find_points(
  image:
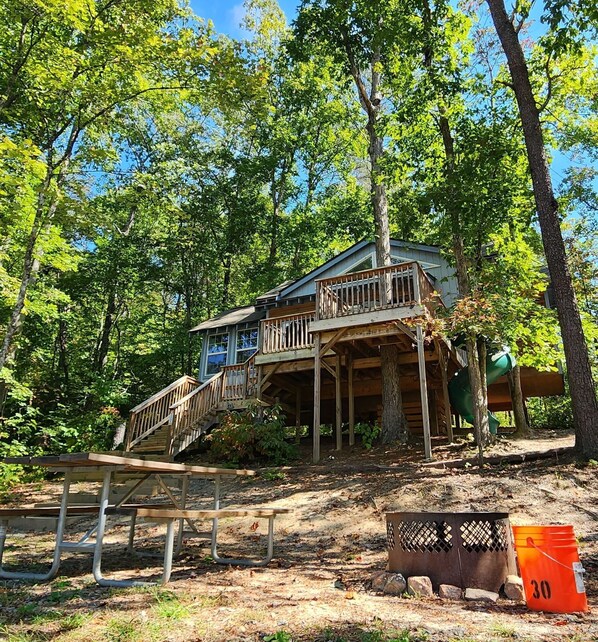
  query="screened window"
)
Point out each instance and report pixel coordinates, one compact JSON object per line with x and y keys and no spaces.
{"x":246,"y":344}
{"x":217,"y":351}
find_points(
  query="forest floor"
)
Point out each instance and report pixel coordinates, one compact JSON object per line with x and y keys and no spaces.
{"x":318,"y":586}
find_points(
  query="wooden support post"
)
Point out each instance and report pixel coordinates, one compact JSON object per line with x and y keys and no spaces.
{"x":423,"y":390}
{"x":351,"y":401}
{"x":317,"y":388}
{"x":339,"y":405}
{"x":434,"y":424}
{"x":445,"y":395}
{"x":298,"y":415}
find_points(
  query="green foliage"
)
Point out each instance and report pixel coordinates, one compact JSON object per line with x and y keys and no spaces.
{"x":551,"y":412}
{"x":368,"y":433}
{"x":253,"y":434}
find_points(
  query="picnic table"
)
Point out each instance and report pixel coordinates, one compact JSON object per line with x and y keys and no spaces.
{"x":174,"y":512}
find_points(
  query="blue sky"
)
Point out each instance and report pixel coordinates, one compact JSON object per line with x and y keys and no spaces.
{"x":227,"y":14}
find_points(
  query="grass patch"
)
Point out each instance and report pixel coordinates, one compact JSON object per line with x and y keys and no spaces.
{"x":168,"y":606}
{"x":504,"y":632}
{"x":120,"y":629}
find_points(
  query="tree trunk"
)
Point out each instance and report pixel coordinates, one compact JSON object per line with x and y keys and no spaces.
{"x":518,"y":403}
{"x":63,"y":366}
{"x":480,"y":410}
{"x":101,"y":356}
{"x":579,"y":373}
{"x":31,"y":264}
{"x":394,"y":422}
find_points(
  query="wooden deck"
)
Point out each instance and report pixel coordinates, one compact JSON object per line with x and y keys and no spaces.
{"x":322,"y":364}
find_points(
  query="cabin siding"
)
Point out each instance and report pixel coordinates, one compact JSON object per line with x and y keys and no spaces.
{"x":309,"y":288}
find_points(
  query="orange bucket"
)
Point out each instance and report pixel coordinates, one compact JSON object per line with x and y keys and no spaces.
{"x":550,"y":567}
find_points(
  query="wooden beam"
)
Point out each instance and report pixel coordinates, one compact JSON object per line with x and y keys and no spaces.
{"x":329,"y":368}
{"x":267,"y":376}
{"x":351,"y":401}
{"x":368,"y":318}
{"x":286,"y":355}
{"x":423,"y":389}
{"x":317,"y":387}
{"x":339,"y":406}
{"x":404,"y":359}
{"x":407,"y":330}
{"x":329,"y":345}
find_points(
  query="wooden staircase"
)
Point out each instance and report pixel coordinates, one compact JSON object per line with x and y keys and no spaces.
{"x":173,"y":419}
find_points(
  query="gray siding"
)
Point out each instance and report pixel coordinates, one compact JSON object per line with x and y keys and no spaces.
{"x":431,"y":259}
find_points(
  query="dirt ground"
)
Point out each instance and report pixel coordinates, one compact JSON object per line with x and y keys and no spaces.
{"x":318,"y":585}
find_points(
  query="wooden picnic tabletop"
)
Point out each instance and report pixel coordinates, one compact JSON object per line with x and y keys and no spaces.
{"x":71,"y":460}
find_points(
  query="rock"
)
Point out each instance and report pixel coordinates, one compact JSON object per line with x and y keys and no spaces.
{"x":514,"y":588}
{"x":379,"y":580}
{"x":420,"y":585}
{"x":450,"y":592}
{"x":480,"y":595}
{"x":395,"y":584}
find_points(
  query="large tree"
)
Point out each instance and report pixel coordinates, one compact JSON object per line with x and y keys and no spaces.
{"x":368,"y":42}
{"x":581,"y":385}
{"x":66,"y":73}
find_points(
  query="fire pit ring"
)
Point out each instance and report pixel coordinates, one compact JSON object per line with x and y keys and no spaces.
{"x":469,"y":550}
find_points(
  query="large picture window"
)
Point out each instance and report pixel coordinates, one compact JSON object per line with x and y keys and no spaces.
{"x":246,"y":344}
{"x":217,"y":351}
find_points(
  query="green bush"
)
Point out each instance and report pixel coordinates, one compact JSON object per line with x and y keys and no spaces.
{"x":29,"y":431}
{"x":551,"y":412}
{"x":368,"y":433}
{"x":253,"y":434}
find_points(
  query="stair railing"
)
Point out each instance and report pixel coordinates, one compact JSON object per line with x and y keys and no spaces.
{"x":191,"y":409}
{"x":240,"y":381}
{"x":151,"y":414}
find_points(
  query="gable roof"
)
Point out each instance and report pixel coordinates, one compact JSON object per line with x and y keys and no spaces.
{"x":286,"y":290}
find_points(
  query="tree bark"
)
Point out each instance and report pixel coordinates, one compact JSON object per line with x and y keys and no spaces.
{"x":101,"y":357}
{"x":579,"y":373}
{"x":518,"y":403}
{"x":394,"y":422}
{"x":31,"y":264}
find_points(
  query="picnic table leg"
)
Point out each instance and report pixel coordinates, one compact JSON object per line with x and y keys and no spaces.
{"x":42,"y":577}
{"x":244,"y":562}
{"x":184,"y":491}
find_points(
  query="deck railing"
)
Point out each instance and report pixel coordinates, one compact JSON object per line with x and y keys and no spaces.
{"x":154,"y":412}
{"x":280,"y":334}
{"x":239,"y":381}
{"x":393,"y":286}
{"x":194,"y":407}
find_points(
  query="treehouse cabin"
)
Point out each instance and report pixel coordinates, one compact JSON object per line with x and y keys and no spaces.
{"x":313,"y":346}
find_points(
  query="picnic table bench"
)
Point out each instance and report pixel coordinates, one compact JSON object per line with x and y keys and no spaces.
{"x":171,"y":514}
{"x":176,"y":511}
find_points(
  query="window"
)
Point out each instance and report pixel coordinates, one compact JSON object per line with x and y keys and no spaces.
{"x":217,"y":351}
{"x":246,"y":344}
{"x":364,"y":264}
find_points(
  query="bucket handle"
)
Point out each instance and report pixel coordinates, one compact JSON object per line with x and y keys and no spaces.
{"x":530,"y":542}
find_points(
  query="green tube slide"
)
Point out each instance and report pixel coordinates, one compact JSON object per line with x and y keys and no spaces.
{"x":497,"y":365}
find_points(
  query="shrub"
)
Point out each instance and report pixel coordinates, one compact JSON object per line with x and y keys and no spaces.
{"x":368,"y":433}
{"x":255,"y":433}
{"x":551,"y":412}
